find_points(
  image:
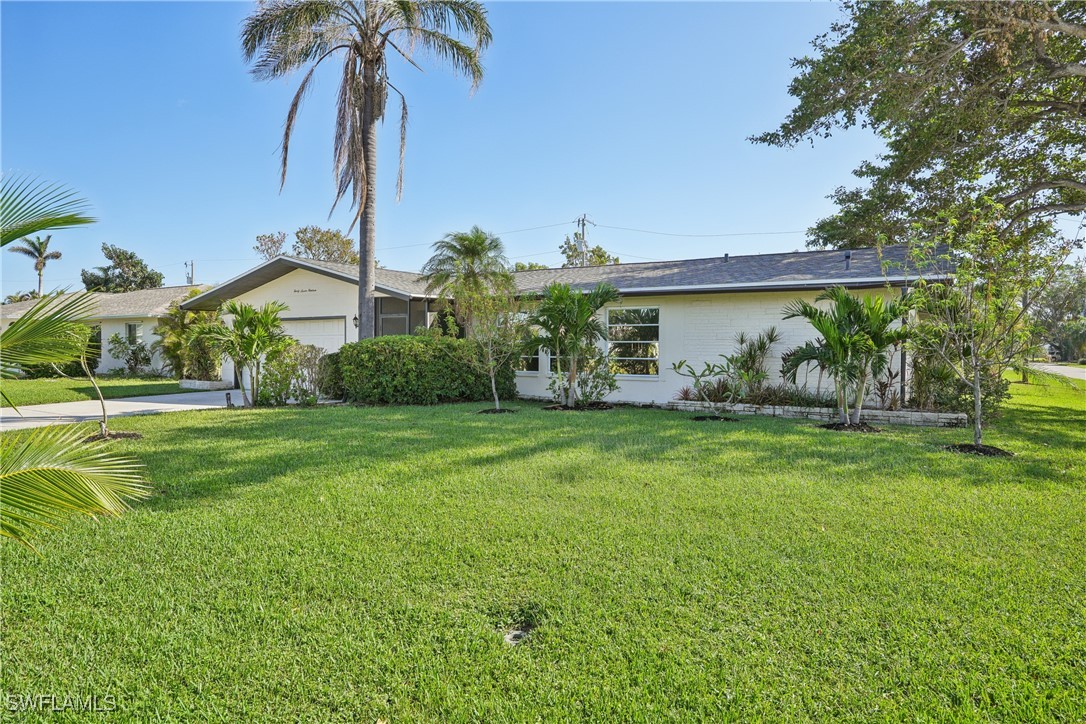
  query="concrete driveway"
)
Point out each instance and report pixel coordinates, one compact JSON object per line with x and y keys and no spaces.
{"x":1075,"y":373}
{"x":61,"y":413}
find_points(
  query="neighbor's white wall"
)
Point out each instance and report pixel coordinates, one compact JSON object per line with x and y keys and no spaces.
{"x":111,"y":327}
{"x":308,"y":294}
{"x":699,"y":328}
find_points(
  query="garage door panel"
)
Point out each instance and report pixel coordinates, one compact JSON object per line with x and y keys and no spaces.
{"x":326,"y":333}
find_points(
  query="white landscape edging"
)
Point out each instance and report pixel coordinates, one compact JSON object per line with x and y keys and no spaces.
{"x":920,"y":418}
{"x":205,"y":385}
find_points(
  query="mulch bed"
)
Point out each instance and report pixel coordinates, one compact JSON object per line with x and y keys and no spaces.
{"x":985,"y":450}
{"x":714,"y":418}
{"x":846,"y":427}
{"x":114,"y":436}
{"x":492,"y":411}
{"x":582,"y":408}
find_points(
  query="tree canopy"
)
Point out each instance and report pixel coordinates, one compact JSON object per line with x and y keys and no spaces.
{"x":973,"y":99}
{"x":310,"y":242}
{"x":591,"y":256}
{"x":125,"y":272}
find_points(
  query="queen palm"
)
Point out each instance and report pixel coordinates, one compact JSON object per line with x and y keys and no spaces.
{"x":282,"y":36}
{"x":38,"y":250}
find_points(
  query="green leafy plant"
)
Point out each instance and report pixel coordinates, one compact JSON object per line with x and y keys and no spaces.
{"x":292,"y":373}
{"x":135,"y":354}
{"x":247,"y":335}
{"x":466,"y":268}
{"x":418,"y":370}
{"x":568,"y":326}
{"x":28,"y":206}
{"x":38,"y":250}
{"x":858,"y":336}
{"x":739,"y":377}
{"x":185,"y":357}
{"x":978,"y":326}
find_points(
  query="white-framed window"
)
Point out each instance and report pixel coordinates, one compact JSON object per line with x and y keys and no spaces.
{"x":529,"y":362}
{"x":133,"y":332}
{"x":633,"y":340}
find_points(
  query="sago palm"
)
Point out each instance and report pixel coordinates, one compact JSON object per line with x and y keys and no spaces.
{"x":283,"y":36}
{"x":38,"y":250}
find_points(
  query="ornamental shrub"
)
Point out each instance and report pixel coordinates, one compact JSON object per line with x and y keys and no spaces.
{"x":417,"y":370}
{"x":330,"y":377}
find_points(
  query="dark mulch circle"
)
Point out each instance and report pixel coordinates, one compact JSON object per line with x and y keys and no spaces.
{"x":714,"y":418}
{"x":114,"y":436}
{"x":582,"y":408}
{"x":846,"y":427}
{"x":492,"y":411}
{"x":986,"y":450}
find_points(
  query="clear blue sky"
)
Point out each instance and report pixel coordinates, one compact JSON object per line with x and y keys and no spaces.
{"x":634,"y":113}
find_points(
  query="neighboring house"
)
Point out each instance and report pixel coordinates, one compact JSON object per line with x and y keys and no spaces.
{"x":133,"y":315}
{"x":688,"y":309}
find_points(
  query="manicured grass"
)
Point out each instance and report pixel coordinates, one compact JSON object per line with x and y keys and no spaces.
{"x":61,"y":389}
{"x":363,"y":563}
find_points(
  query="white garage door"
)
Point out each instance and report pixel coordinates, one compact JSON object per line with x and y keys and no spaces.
{"x":327,"y":333}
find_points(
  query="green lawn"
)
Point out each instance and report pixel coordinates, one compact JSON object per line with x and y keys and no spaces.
{"x":363,"y":563}
{"x":61,"y":389}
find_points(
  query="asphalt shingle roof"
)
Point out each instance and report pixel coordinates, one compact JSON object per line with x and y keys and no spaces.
{"x":142,"y":303}
{"x":765,"y":270}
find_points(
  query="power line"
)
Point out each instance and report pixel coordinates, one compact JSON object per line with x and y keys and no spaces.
{"x":703,"y":236}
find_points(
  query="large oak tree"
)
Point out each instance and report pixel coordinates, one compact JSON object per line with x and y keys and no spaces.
{"x":972,"y":98}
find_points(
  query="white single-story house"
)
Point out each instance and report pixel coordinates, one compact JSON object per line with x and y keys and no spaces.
{"x":688,"y":309}
{"x":133,"y":315}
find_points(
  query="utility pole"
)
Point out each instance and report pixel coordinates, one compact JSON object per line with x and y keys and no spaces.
{"x":190,"y":272}
{"x":582,"y":222}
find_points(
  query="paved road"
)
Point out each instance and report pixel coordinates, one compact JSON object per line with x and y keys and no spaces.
{"x":60,"y":413}
{"x":1075,"y":373}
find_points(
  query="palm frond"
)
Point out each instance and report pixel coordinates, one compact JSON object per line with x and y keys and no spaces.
{"x":49,"y":332}
{"x":50,"y":473}
{"x":28,"y":206}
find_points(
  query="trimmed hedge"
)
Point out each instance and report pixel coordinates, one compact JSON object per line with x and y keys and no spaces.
{"x":417,"y":370}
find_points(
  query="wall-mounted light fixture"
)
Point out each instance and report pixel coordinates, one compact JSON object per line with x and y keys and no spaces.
{"x":355,"y":320}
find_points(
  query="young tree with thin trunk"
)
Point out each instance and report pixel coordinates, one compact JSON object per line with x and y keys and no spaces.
{"x":283,"y":36}
{"x":978,"y":324}
{"x":499,"y":327}
{"x":38,"y":250}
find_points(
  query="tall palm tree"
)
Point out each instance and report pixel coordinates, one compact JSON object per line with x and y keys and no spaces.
{"x":282,"y":36}
{"x":466,"y":264}
{"x":38,"y":250}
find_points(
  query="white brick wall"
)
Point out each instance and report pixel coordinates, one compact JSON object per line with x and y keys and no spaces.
{"x":699,"y":328}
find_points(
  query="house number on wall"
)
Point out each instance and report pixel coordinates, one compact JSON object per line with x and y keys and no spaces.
{"x":304,"y":291}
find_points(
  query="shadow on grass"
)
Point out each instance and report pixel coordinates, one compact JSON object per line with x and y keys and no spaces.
{"x":219,"y":451}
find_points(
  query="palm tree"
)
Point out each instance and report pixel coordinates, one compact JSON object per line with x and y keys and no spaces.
{"x":568,"y":326}
{"x":249,"y":336}
{"x":464,"y":265}
{"x":51,"y":473}
{"x":857,"y":336}
{"x":28,"y":206}
{"x":282,"y":36}
{"x":183,"y":357}
{"x":38,"y":250}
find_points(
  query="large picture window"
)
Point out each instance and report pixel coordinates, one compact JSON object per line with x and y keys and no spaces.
{"x":529,"y":362}
{"x":633,"y":340}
